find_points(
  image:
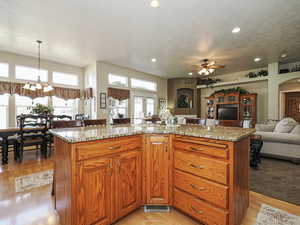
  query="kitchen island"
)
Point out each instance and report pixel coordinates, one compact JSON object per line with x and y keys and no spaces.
{"x":103,"y":173}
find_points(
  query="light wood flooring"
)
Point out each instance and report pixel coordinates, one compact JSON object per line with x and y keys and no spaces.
{"x":35,"y":207}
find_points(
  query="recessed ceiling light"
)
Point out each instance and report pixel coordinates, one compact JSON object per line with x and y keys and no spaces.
{"x":153,"y":60}
{"x":154,"y":3}
{"x":190,"y":73}
{"x":257,"y":59}
{"x":236,"y":30}
{"x":283,"y":55}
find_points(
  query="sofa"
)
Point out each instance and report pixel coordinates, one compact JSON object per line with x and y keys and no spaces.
{"x":281,"y":140}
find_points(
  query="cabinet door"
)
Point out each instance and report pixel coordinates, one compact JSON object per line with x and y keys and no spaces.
{"x":94,"y":192}
{"x":128,"y":182}
{"x":157,"y":169}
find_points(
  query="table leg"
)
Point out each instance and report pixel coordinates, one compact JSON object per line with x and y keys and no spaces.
{"x":4,"y":150}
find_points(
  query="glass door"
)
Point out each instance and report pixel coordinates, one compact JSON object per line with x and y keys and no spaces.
{"x":143,"y":107}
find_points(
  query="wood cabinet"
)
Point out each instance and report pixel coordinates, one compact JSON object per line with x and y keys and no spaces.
{"x":94,"y":191}
{"x":128,"y":182}
{"x":245,"y":106}
{"x":99,"y":182}
{"x":211,"y":179}
{"x":157,"y":169}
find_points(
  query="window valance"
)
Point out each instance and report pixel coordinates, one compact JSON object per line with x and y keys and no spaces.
{"x":17,"y":88}
{"x":119,"y":94}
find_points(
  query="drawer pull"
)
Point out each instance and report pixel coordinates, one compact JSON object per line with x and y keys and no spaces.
{"x":197,"y":166}
{"x":196,"y":149}
{"x":197,"y":188}
{"x":196,"y":210}
{"x":114,"y":147}
{"x":156,"y":143}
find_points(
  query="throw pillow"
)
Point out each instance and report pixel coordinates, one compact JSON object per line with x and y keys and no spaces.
{"x":296,"y":130}
{"x":285,"y":125}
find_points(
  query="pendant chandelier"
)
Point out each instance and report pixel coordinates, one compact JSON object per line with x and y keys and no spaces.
{"x":38,"y":85}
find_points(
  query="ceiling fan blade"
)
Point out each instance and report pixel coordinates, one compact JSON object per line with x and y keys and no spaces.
{"x":211,"y":63}
{"x":217,"y":66}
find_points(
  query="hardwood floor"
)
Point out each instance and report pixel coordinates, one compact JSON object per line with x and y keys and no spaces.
{"x":35,"y":207}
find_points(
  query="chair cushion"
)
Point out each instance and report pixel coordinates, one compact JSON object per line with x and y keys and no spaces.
{"x":296,"y":130}
{"x":285,"y":125}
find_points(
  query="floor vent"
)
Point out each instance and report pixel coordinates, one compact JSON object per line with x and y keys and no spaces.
{"x":156,"y":208}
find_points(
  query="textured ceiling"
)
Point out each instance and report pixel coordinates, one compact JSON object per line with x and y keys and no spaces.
{"x":129,"y":33}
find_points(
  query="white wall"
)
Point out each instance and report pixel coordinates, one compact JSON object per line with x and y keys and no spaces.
{"x":104,"y":68}
{"x":90,"y":81}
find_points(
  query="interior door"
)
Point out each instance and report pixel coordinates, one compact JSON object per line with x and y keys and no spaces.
{"x":292,"y":105}
{"x":157,"y":169}
{"x":94,"y":192}
{"x":128,"y":182}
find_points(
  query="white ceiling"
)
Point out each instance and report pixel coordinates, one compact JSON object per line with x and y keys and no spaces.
{"x":129,"y":32}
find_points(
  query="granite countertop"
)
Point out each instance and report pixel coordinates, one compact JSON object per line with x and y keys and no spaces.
{"x":83,"y":134}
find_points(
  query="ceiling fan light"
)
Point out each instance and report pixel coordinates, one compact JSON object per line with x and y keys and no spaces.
{"x":206,"y":73}
{"x":211,"y":70}
{"x":32,"y":87}
{"x":26,"y":86}
{"x":50,"y":88}
{"x":39,"y":86}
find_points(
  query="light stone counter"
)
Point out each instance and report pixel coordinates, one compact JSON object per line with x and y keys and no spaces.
{"x":83,"y":134}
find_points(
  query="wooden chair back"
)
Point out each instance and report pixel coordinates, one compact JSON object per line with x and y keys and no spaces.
{"x":32,"y":124}
{"x":66,"y":123}
{"x":121,"y":121}
{"x":94,"y":122}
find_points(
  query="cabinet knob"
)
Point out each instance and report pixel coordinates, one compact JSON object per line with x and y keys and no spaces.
{"x":196,"y":149}
{"x":196,"y":210}
{"x":197,"y":166}
{"x":197,"y":188}
{"x":114,"y":147}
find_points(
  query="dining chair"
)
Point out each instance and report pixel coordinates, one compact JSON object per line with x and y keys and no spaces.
{"x":33,"y":132}
{"x":94,"y":122}
{"x":121,"y":121}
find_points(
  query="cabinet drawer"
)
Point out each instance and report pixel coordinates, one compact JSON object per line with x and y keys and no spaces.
{"x":200,"y":210}
{"x":211,"y":169}
{"x":212,"y":192}
{"x":220,"y":151}
{"x":108,"y":146}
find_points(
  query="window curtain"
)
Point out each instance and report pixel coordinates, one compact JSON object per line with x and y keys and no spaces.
{"x":17,"y":88}
{"x":119,"y":94}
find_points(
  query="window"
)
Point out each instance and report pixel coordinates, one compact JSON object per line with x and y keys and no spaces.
{"x":4,"y":111}
{"x":30,"y":73}
{"x":65,"y":78}
{"x":3,"y":70}
{"x":143,"y":84}
{"x":24,"y":104}
{"x":65,"y":107}
{"x":116,"y":80}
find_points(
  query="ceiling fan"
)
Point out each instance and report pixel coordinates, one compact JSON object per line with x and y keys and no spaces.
{"x":206,"y":67}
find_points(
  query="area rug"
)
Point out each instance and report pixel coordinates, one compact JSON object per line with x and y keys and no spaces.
{"x":271,"y":216}
{"x":277,"y":179}
{"x":33,"y":180}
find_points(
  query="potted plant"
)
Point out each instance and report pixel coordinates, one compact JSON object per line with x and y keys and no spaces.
{"x":40,"y":109}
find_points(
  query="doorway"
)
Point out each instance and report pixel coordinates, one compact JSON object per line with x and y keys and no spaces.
{"x":292,"y":105}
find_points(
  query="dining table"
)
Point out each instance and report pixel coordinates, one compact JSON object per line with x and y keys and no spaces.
{"x":5,"y":133}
